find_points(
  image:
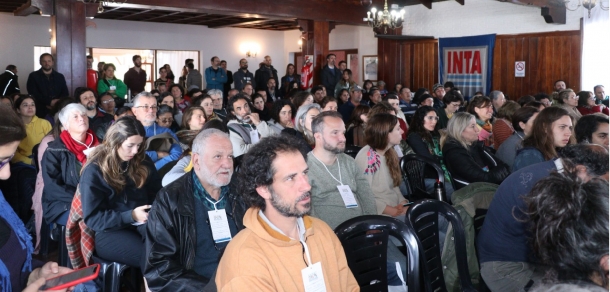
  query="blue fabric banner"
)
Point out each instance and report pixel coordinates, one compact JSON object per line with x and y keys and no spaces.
{"x":467,"y":62}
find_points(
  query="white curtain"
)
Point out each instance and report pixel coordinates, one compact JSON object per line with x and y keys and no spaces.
{"x":596,"y":48}
{"x":175,"y":59}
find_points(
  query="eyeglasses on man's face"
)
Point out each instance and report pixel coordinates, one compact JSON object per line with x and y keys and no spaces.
{"x":146,"y":108}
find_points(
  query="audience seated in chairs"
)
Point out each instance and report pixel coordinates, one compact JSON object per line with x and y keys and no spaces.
{"x":452,"y":101}
{"x":379,"y":163}
{"x":503,"y":243}
{"x":503,"y":125}
{"x":466,"y":157}
{"x":282,"y":114}
{"x":118,"y":184}
{"x":302,"y":128}
{"x":569,"y":223}
{"x":568,"y":100}
{"x":482,"y":109}
{"x":587,"y":104}
{"x":182,"y":250}
{"x":355,"y":129}
{"x":424,"y":139}
{"x":592,"y":129}
{"x":523,"y":123}
{"x":552,"y":131}
{"x":62,"y":162}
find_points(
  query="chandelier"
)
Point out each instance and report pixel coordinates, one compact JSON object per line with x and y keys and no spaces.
{"x":587,"y":4}
{"x":388,"y":19}
{"x":103,"y":3}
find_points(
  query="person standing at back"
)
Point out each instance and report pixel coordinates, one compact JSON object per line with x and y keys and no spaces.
{"x":215,"y":76}
{"x":135,"y":78}
{"x":330,"y":75}
{"x":46,"y":85}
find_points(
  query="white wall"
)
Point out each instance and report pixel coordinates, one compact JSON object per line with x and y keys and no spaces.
{"x":354,"y":37}
{"x":477,"y":17}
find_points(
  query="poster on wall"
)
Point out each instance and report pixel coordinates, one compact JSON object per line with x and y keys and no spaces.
{"x":369,"y":67}
{"x":467,"y":62}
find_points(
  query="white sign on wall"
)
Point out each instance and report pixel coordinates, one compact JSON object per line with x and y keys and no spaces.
{"x":520,"y":69}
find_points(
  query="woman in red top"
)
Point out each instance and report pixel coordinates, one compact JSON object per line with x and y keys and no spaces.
{"x":503,"y":126}
{"x":587,"y":106}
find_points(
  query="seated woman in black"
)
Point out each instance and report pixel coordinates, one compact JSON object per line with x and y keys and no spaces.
{"x":466,"y":158}
{"x":424,"y":139}
{"x":118,"y":184}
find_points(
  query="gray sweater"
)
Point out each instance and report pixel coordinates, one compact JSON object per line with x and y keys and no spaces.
{"x":326,"y":202}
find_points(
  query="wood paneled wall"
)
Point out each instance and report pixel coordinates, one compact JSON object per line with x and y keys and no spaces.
{"x":549,"y":57}
{"x":413,"y":63}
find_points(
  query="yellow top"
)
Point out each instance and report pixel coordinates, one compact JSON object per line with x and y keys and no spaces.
{"x":36,"y":130}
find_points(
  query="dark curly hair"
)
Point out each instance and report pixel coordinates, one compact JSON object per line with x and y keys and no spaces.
{"x":587,"y":125}
{"x":417,"y":124}
{"x":277,"y":108}
{"x":593,"y":157}
{"x":569,"y":226}
{"x":257,"y":166}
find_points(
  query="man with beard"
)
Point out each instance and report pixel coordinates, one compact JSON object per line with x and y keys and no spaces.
{"x":282,"y":248}
{"x":215,"y":76}
{"x":135,"y":78}
{"x":264,"y":72}
{"x":339,"y":189}
{"x":46,"y":85}
{"x":245,"y":127}
{"x":97,"y":118}
{"x":242,"y":76}
{"x":193,"y":219}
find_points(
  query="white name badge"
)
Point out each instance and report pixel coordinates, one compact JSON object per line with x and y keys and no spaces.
{"x":313,"y":278}
{"x":112,"y":87}
{"x":348,"y":196}
{"x":254,"y":136}
{"x":219,"y":225}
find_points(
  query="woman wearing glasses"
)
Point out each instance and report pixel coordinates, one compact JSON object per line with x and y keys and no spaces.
{"x":165,"y":118}
{"x":118,"y":184}
{"x":587,"y":106}
{"x":466,"y":158}
{"x":424,"y":139}
{"x":482,"y":109}
{"x":568,"y":100}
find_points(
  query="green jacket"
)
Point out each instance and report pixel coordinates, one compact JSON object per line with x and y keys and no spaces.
{"x":103,"y":85}
{"x":466,"y":201}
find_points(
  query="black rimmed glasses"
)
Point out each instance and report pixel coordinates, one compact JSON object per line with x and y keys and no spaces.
{"x":6,"y":161}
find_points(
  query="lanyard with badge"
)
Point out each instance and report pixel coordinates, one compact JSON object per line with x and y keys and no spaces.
{"x":253,"y":135}
{"x":219,"y":223}
{"x":313,"y":277}
{"x":346,"y":192}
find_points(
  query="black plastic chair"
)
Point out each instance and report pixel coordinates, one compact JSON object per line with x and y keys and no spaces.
{"x":423,"y":217}
{"x":413,"y":168}
{"x":111,"y":274}
{"x":58,"y":233}
{"x":166,"y":168}
{"x":352,"y":150}
{"x":366,"y":251}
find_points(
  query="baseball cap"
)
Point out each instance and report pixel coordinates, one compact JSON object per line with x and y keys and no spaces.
{"x":355,"y":88}
{"x":437,"y":86}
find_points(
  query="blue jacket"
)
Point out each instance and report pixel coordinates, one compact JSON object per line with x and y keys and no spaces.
{"x":215,"y":79}
{"x":527,"y":156}
{"x":174,"y":152}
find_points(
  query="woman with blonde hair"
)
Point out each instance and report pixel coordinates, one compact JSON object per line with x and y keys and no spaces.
{"x":380,"y":164}
{"x":112,"y":85}
{"x":568,"y":100}
{"x":118,"y":185}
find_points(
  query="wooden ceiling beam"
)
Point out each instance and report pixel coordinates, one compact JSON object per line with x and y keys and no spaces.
{"x":163,"y":16}
{"x":239,"y":23}
{"x":190,"y":18}
{"x":551,"y":10}
{"x":134,"y":14}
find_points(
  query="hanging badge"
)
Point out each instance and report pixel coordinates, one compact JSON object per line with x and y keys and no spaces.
{"x":254,"y":136}
{"x":348,"y":196}
{"x":313,"y":278}
{"x":112,"y":87}
{"x":219,"y":225}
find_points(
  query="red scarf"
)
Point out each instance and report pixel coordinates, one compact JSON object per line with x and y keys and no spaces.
{"x":77,"y":148}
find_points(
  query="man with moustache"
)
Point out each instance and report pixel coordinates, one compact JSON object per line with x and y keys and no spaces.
{"x":193,"y":219}
{"x":46,"y":85}
{"x":97,"y":118}
{"x":282,"y":248}
{"x":245,"y":127}
{"x":135,"y":78}
{"x":242,"y":76}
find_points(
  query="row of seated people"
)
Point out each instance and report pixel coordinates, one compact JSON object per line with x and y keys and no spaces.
{"x":277,"y":185}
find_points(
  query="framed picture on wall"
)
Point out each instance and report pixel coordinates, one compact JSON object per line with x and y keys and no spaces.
{"x":369,"y":67}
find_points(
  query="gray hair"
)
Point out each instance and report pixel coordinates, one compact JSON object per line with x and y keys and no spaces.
{"x":494,"y":95}
{"x":457,"y":124}
{"x":215,"y":92}
{"x":64,"y":114}
{"x":146,"y":94}
{"x":199,"y":144}
{"x":301,"y":113}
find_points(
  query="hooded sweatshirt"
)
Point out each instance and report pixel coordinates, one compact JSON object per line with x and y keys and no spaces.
{"x":260,"y":258}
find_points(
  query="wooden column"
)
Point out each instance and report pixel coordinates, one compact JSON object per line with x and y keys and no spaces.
{"x":316,"y":43}
{"x":68,"y":42}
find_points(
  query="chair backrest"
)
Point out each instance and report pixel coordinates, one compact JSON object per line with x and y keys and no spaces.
{"x":365,"y":241}
{"x":35,"y":157}
{"x":423,"y":217}
{"x":352,"y":150}
{"x":413,"y":168}
{"x":167,"y":167}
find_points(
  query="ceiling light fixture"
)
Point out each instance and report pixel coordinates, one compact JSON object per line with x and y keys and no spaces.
{"x":388,"y":19}
{"x":103,"y":3}
{"x":587,"y":4}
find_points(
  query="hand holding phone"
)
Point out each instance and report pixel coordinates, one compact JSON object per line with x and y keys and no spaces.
{"x":72,"y":279}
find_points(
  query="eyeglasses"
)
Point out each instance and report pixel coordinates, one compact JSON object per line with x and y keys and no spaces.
{"x":108,"y":101}
{"x":146,"y":108}
{"x":432,"y":118}
{"x":6,"y":161}
{"x":170,"y":120}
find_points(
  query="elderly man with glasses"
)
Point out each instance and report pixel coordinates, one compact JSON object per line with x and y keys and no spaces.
{"x":145,"y":110}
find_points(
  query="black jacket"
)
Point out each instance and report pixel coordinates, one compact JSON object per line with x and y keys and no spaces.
{"x":9,"y":83}
{"x":170,"y":237}
{"x":61,"y":174}
{"x":330,"y":80}
{"x":466,"y":164}
{"x":46,"y":89}
{"x":104,"y":208}
{"x":285,"y":82}
{"x":262,"y":75}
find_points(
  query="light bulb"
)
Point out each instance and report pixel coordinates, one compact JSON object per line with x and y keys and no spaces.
{"x":373,"y":10}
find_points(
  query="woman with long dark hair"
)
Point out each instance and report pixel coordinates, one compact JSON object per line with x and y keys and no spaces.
{"x":552,"y":131}
{"x":289,"y":79}
{"x":282,"y":114}
{"x":355,"y":129}
{"x":36,"y":129}
{"x":346,"y":82}
{"x":118,"y":184}
{"x":523,"y":122}
{"x":379,"y":162}
{"x":587,"y":105}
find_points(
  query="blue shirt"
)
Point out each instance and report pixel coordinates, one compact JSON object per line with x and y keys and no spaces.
{"x":174,"y":152}
{"x":502,"y":237}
